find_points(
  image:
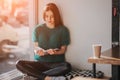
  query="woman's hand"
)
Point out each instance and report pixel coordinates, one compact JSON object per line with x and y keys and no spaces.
{"x":51,"y":51}
{"x":57,"y":51}
{"x":40,"y":52}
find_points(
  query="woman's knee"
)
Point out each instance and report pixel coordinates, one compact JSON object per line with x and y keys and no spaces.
{"x":67,"y":65}
{"x":19,"y":64}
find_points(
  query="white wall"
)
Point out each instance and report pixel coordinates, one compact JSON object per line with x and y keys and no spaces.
{"x":89,"y":21}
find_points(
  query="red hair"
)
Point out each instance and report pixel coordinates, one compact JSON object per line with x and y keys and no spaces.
{"x":56,"y":13}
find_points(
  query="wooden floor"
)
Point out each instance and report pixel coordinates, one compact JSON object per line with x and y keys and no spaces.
{"x":15,"y":75}
{"x":11,"y":75}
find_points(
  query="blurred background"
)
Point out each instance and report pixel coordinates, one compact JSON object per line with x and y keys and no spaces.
{"x":14,"y":33}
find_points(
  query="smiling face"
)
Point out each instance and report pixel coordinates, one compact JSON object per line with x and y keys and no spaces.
{"x":49,"y":18}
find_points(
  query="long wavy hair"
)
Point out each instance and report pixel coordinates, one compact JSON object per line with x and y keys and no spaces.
{"x":56,"y":13}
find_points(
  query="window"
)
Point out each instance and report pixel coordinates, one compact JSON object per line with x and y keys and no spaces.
{"x":16,"y":21}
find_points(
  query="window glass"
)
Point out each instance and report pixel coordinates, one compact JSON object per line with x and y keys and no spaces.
{"x":14,"y":33}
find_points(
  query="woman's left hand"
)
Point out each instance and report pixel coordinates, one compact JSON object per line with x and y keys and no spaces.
{"x":57,"y":51}
{"x":51,"y":51}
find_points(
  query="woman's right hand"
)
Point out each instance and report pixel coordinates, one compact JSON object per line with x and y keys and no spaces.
{"x":40,"y":52}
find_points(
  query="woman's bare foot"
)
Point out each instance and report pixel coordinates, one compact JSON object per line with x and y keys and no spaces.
{"x":55,"y":78}
{"x":47,"y":78}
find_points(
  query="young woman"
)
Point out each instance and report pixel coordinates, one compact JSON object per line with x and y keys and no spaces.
{"x":50,"y":44}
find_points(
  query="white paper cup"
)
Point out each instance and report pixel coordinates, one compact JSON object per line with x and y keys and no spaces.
{"x":96,"y":50}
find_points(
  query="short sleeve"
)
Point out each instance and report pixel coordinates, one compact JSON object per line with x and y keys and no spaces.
{"x":34,"y":34}
{"x":65,"y":36}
